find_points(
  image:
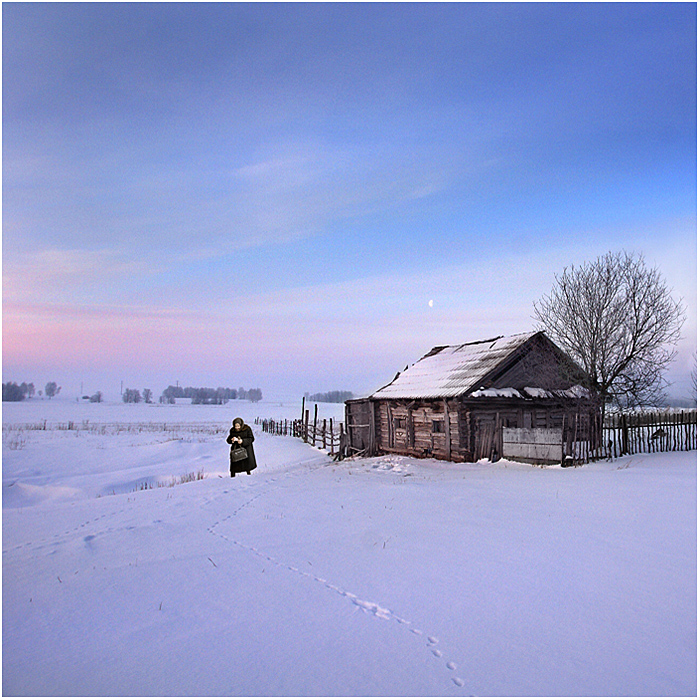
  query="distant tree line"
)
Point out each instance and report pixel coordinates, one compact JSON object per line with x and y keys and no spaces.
{"x":207,"y":395}
{"x":12,"y":391}
{"x":330,"y":396}
{"x":253,"y":395}
{"x":17,"y":392}
{"x":135,"y":396}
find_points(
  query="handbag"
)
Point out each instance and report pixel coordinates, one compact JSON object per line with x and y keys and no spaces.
{"x":238,"y":454}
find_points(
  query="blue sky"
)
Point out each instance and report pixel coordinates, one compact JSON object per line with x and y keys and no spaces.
{"x":272,"y":194}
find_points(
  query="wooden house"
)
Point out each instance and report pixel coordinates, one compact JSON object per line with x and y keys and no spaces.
{"x":519,"y":397}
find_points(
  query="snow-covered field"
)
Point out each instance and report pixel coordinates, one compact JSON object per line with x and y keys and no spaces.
{"x":384,"y":577}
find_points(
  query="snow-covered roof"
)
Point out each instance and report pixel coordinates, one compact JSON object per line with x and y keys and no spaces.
{"x":458,"y":370}
{"x":452,"y":370}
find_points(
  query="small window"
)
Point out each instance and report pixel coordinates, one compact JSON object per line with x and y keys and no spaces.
{"x":438,"y":426}
{"x":400,"y":423}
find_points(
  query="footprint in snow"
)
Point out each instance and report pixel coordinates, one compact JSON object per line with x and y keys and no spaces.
{"x":372,"y":608}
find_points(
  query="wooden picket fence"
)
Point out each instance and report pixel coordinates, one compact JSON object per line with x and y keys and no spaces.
{"x":649,"y":432}
{"x":325,"y":433}
{"x":280,"y":427}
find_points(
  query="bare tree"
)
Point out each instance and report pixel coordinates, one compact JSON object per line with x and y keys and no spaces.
{"x":131,"y":396}
{"x":694,"y":378}
{"x":52,"y":389}
{"x":616,"y":317}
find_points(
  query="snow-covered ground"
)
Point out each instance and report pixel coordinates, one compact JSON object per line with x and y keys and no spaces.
{"x":384,"y":577}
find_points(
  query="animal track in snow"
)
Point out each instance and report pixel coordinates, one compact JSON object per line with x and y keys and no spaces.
{"x":365,"y":606}
{"x":51,"y":540}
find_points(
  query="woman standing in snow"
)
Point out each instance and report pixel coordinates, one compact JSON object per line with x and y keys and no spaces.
{"x":241,"y":435}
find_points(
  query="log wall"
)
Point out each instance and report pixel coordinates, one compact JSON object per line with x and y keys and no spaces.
{"x":421,"y":429}
{"x":475,"y":427}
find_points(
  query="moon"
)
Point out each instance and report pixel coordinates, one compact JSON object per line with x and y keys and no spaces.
{"x":430,"y":303}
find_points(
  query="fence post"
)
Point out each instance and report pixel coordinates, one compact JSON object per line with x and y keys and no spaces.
{"x":306,"y":426}
{"x":315,"y":420}
{"x":331,"y":437}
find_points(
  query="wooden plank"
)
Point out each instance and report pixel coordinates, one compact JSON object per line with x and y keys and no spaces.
{"x":372,"y":443}
{"x":448,"y":434}
{"x":390,"y":427}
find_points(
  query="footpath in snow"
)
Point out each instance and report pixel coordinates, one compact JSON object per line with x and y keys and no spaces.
{"x":383,"y":577}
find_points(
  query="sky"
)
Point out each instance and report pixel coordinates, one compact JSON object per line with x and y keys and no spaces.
{"x":308,"y":197}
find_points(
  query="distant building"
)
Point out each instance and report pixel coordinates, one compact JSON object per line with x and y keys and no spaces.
{"x":519,"y":397}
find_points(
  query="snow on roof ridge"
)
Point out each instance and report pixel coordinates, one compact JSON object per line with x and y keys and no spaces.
{"x":451,"y":370}
{"x":491,"y":341}
{"x":483,"y":341}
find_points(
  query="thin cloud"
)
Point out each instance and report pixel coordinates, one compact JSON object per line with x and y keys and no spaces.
{"x":60,"y":273}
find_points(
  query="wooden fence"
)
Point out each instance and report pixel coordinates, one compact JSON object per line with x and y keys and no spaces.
{"x":630,"y":433}
{"x":323,"y":433}
{"x":634,"y":433}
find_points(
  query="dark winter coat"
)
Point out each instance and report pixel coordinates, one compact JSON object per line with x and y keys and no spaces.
{"x":247,"y":437}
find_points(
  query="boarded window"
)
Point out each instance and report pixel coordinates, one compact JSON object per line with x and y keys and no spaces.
{"x":556,"y":420}
{"x":438,"y":426}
